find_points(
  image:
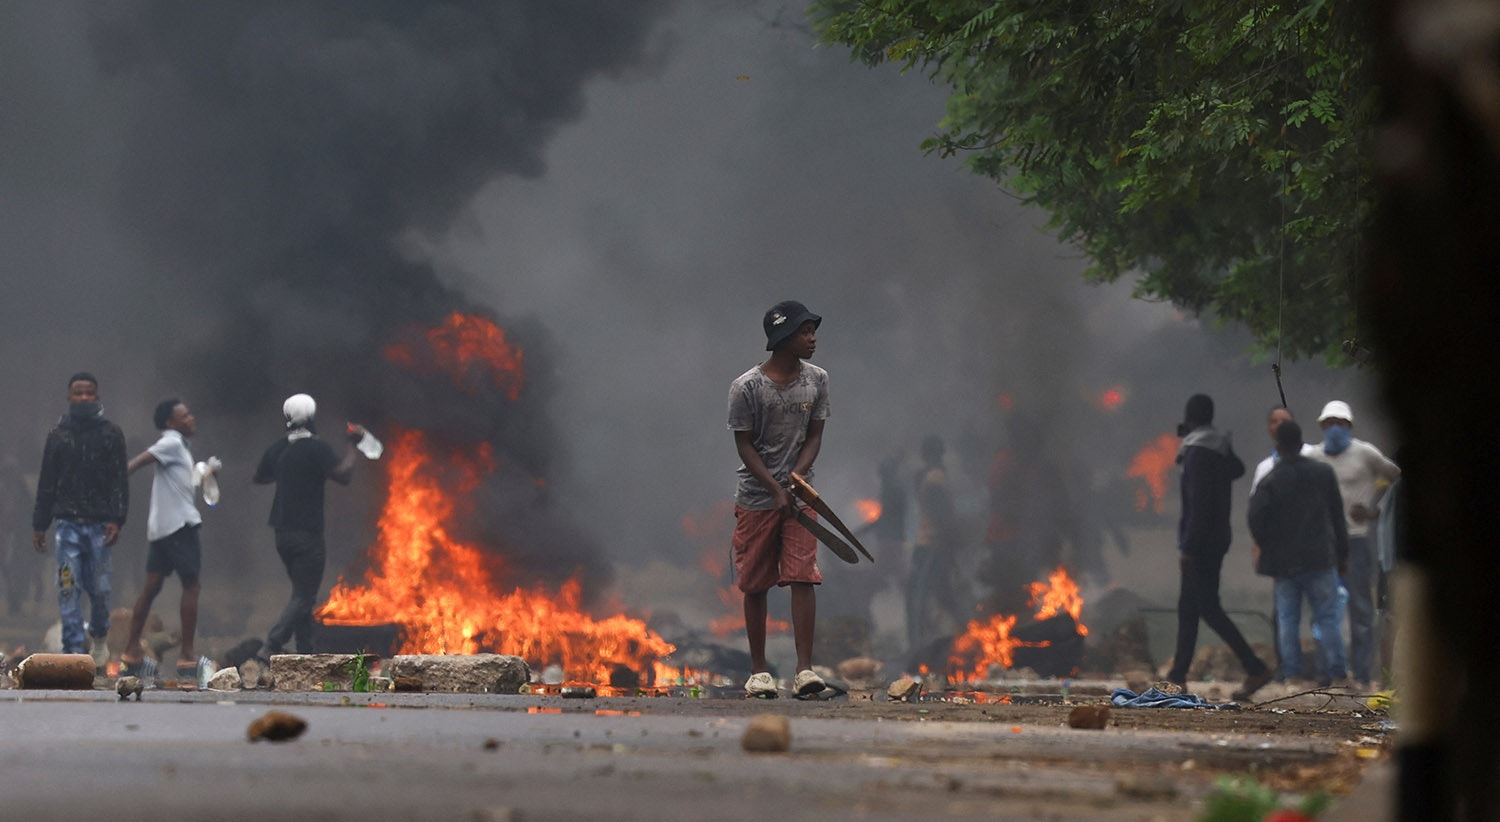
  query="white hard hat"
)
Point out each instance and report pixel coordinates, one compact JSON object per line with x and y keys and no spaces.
{"x":298,"y":408}
{"x":1337,"y":410}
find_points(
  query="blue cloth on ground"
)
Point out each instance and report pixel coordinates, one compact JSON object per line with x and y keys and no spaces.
{"x":1153,"y":698}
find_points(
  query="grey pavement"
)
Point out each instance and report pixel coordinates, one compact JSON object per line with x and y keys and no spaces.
{"x":72,"y":755}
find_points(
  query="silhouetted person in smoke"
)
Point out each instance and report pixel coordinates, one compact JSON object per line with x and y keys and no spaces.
{"x":300,"y":463}
{"x":777,"y":410}
{"x":1209,"y":466}
{"x":933,"y":600}
{"x":22,"y":580}
{"x":83,"y":487}
{"x":171,"y":530}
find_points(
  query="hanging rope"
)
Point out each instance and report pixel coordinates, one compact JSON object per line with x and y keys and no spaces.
{"x":1280,"y":289}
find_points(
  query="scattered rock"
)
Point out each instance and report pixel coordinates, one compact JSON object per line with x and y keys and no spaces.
{"x":125,"y":686}
{"x":767,"y":733}
{"x":1167,"y":687}
{"x":1090,"y":717}
{"x":252,"y":674}
{"x":859,"y":669}
{"x":227,"y":679}
{"x":276,"y":726}
{"x":382,"y":684}
{"x":310,"y":672}
{"x":904,"y":689}
{"x":466,"y":673}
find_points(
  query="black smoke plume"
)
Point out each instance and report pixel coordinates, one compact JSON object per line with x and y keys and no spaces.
{"x":275,"y":157}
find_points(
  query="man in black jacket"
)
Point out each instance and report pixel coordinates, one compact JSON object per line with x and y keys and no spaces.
{"x":1209,"y":465}
{"x":83,"y":487}
{"x":1297,"y":518}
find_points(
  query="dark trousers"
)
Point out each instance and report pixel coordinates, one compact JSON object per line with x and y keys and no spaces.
{"x":1360,"y":581}
{"x":302,"y":553}
{"x":1199,"y":599}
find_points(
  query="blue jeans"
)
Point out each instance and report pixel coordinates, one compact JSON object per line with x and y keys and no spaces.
{"x":82,"y":568}
{"x":1360,"y":580}
{"x":1322,"y":591}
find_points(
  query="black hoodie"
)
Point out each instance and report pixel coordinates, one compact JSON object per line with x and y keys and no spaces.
{"x":1209,"y":465}
{"x":83,"y":474}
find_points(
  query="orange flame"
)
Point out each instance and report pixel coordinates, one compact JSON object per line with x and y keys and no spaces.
{"x":1112,"y":398}
{"x":1151,"y":464}
{"x":452,"y":598}
{"x":869,"y":509}
{"x":1057,"y":595}
{"x":461,"y":345}
{"x":989,"y":642}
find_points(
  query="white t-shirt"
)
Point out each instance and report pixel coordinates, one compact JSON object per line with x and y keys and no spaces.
{"x":1268,"y":463}
{"x":172,"y":505}
{"x":1358,"y":467}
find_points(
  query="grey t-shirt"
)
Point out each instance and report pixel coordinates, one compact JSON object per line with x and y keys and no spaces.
{"x":776,"y":417}
{"x":172,"y":505}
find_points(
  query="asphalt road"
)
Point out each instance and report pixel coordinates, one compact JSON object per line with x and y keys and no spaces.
{"x":71,"y":755}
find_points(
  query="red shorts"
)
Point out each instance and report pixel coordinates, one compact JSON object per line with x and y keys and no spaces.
{"x":771,"y":551}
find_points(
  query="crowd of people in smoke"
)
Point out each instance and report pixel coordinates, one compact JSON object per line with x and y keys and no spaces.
{"x":1312,"y":512}
{"x":82,"y":496}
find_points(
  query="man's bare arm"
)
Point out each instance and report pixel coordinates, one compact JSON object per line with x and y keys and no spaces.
{"x":140,"y":461}
{"x":757,"y":468}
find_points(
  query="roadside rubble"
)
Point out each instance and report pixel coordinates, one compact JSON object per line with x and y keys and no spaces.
{"x":767,"y":733}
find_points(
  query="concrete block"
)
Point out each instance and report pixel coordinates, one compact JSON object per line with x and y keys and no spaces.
{"x":473,"y":673}
{"x":310,"y":672}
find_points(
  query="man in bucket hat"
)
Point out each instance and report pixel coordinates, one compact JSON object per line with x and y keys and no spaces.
{"x":777,"y":410}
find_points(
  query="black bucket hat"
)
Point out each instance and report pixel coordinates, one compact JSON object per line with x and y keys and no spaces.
{"x":783,"y":320}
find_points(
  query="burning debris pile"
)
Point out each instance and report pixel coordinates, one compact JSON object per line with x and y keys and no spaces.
{"x":1051,"y":644}
{"x":451,"y":595}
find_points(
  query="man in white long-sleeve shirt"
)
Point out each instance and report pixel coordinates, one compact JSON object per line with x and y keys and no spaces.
{"x":1360,"y":468}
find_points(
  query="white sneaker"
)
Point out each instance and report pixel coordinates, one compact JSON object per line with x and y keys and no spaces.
{"x":808,"y":683}
{"x":99,"y":650}
{"x":761,"y":685}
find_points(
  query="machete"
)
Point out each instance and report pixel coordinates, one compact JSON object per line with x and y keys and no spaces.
{"x":809,"y":495}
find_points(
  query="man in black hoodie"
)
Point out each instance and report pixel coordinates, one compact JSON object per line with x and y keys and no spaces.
{"x":1209,"y":466}
{"x":83,"y":487}
{"x":1297,"y":519}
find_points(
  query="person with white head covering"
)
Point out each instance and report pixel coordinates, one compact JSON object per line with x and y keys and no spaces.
{"x":1363,"y":473}
{"x":299,"y":463}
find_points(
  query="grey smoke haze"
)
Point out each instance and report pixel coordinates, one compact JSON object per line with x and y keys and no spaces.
{"x":237,"y":201}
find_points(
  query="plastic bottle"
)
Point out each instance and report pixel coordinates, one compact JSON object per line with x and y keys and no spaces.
{"x":368,"y":445}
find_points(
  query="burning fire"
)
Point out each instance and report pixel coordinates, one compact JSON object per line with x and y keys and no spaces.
{"x":869,"y":509}
{"x":451,"y":597}
{"x":461,"y":345}
{"x":1151,"y":464}
{"x":989,"y":642}
{"x":1111,"y":398}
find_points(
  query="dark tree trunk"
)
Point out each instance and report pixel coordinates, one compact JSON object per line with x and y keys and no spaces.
{"x":1432,"y":291}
